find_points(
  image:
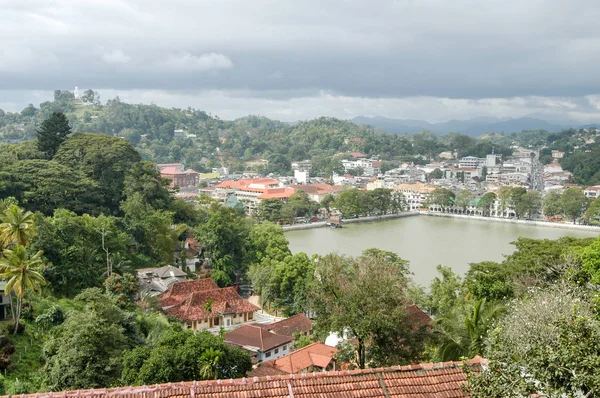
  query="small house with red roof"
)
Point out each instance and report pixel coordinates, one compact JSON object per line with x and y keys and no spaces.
{"x":259,"y":342}
{"x":201,"y":305}
{"x":316,"y":357}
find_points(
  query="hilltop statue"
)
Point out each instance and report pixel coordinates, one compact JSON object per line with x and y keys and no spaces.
{"x":76,"y":92}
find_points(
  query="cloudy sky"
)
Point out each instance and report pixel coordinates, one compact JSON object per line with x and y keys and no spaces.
{"x":427,"y":59}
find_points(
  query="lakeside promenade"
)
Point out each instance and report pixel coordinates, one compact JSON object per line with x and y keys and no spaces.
{"x":591,"y":228}
{"x":322,"y":224}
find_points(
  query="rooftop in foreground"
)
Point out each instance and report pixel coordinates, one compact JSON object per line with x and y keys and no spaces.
{"x":424,"y":380}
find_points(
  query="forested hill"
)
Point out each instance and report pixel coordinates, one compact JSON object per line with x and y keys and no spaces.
{"x":203,"y":141}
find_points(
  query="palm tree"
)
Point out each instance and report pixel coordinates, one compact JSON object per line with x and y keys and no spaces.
{"x":22,"y":273}
{"x":463,"y":335}
{"x":209,"y":363}
{"x":17,"y":226}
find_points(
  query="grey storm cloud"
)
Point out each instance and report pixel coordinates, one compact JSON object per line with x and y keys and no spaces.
{"x":374,"y":48}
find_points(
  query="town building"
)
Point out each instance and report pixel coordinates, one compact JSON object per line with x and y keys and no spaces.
{"x":181,"y":179}
{"x":592,"y":192}
{"x":157,"y":280}
{"x":370,"y":167}
{"x":261,"y":344}
{"x":316,"y":357}
{"x":415,"y":194}
{"x":472,"y":162}
{"x":318,"y":192}
{"x":202,"y":305}
{"x":296,"y":324}
{"x":248,"y":190}
{"x":302,"y":165}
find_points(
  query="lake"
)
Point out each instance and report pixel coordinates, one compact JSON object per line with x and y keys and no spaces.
{"x":426,"y":241}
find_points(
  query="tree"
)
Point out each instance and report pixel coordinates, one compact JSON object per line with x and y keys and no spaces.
{"x":365,"y":298}
{"x":574,"y":202}
{"x":302,"y":205}
{"x":86,"y":350}
{"x":464,"y":334}
{"x":444,"y":292}
{"x":553,"y":204}
{"x":351,"y":202}
{"x":122,"y":287}
{"x":17,"y":226}
{"x":436,"y":174}
{"x":107,"y":161}
{"x":52,"y":133}
{"x":593,"y":211}
{"x":442,"y":197}
{"x":547,"y":345}
{"x":23,"y":274}
{"x":486,"y":203}
{"x":225,"y":239}
{"x":530,"y":204}
{"x":504,"y":194}
{"x":182,"y":355}
{"x":270,"y":209}
{"x":462,"y":199}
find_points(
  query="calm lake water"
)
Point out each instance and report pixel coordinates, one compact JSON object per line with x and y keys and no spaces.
{"x":426,"y":241}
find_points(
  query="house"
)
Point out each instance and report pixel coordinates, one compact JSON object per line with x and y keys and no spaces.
{"x":316,"y":357}
{"x":4,"y":302}
{"x":201,"y":305}
{"x":260,"y":343}
{"x":421,"y":380}
{"x":296,"y":324}
{"x":247,"y":190}
{"x":592,"y":192}
{"x":553,"y":168}
{"x":158,"y":280}
{"x":182,"y":179}
{"x":318,"y":192}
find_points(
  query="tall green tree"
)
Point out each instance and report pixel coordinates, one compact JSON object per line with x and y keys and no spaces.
{"x":86,"y":350}
{"x":574,"y":202}
{"x":442,"y":197}
{"x":182,"y":355}
{"x":553,"y":204}
{"x":23,"y":274}
{"x":462,"y":199}
{"x":365,"y":298}
{"x":486,"y":203}
{"x":52,"y":133}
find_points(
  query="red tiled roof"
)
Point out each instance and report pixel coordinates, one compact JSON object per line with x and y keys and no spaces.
{"x":183,"y":289}
{"x":358,"y":155}
{"x":244,"y":184}
{"x":298,"y":323}
{"x":316,"y":355}
{"x":411,"y":381}
{"x":277,"y":193}
{"x":224,"y":301}
{"x":318,"y":189}
{"x":171,"y":171}
{"x":256,"y":336}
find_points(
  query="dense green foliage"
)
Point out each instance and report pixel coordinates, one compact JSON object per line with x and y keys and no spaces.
{"x":184,"y":355}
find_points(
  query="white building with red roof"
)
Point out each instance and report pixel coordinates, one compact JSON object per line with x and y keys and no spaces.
{"x":202,"y":305}
{"x":252,"y":190}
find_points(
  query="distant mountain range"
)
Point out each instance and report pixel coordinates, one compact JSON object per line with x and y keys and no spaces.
{"x":473,"y":127}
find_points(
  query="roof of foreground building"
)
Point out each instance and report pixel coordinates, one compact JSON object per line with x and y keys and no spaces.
{"x":424,"y":380}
